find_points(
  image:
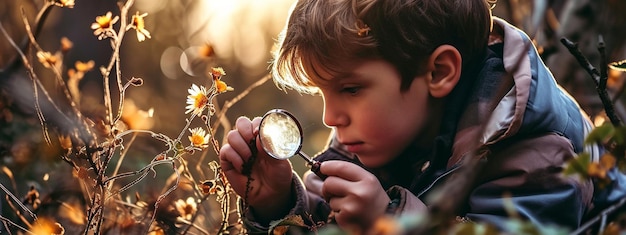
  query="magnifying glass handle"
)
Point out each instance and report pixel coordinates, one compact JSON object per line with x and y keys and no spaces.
{"x":315,"y":167}
{"x":246,"y":168}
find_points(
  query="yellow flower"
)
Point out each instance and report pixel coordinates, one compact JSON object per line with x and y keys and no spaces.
{"x":197,"y":99}
{"x":48,"y":60}
{"x":187,"y":208}
{"x":64,"y":3}
{"x":139,"y":26}
{"x":104,"y":25}
{"x":199,"y":137}
{"x":222,"y":86}
{"x":217,"y":73}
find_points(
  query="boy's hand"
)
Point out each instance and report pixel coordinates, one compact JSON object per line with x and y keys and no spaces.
{"x":354,"y":194}
{"x":270,"y":190}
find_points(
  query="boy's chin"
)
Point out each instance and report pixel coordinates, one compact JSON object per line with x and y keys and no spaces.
{"x":372,"y":161}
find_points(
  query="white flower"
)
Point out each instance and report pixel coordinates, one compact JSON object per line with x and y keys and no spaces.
{"x":197,"y":99}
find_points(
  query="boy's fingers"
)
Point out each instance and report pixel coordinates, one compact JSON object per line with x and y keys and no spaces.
{"x":335,"y":187}
{"x":255,"y":123}
{"x":342,"y":169}
{"x":229,"y":159}
{"x":313,"y":183}
{"x":245,"y":128}
{"x":239,"y":144}
{"x":231,"y":166}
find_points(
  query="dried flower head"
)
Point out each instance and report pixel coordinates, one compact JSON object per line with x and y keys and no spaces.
{"x":103,"y":27}
{"x":140,"y":26}
{"x":65,"y":141}
{"x":84,"y":66}
{"x":64,"y":3}
{"x":207,"y":50}
{"x":186,"y":208}
{"x":211,"y":187}
{"x":32,"y":198}
{"x":48,"y":60}
{"x":66,"y":44}
{"x":217,"y":73}
{"x":199,"y":137}
{"x":197,"y":99}
{"x":222,"y":86}
{"x":156,"y":230}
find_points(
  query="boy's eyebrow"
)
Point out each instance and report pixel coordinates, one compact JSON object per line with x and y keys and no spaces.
{"x":336,"y":76}
{"x":344,"y":75}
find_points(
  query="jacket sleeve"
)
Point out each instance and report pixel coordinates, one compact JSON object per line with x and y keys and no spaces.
{"x":528,"y":172}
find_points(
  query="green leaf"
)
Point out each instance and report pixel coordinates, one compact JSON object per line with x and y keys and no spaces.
{"x":600,"y":133}
{"x":618,"y":65}
{"x":578,"y":165}
{"x":619,"y":135}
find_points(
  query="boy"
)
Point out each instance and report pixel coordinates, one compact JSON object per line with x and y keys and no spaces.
{"x":410,"y":88}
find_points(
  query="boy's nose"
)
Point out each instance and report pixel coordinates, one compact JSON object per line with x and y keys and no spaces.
{"x":334,"y":116}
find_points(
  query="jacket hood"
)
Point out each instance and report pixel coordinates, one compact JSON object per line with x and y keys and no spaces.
{"x":525,"y":99}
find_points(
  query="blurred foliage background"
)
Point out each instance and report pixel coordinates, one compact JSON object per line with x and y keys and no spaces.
{"x":242,"y":33}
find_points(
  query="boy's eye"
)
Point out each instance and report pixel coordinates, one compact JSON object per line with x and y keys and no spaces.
{"x":351,"y":90}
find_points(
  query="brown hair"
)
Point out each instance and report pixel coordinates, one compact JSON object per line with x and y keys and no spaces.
{"x":403,"y":32}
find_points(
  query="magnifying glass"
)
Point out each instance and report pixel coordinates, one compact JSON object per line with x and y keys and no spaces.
{"x":281,"y":137}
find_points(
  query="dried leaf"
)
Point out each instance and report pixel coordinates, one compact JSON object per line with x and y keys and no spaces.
{"x":607,"y":161}
{"x":619,"y":135}
{"x":281,"y":224}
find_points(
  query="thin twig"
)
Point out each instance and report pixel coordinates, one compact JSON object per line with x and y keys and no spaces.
{"x":597,"y":78}
{"x":36,"y":84}
{"x":122,"y":156}
{"x":19,"y":203}
{"x":39,"y":22}
{"x":5,"y":220}
{"x":114,"y":61}
{"x":583,"y":228}
{"x":6,"y":227}
{"x":57,"y":73}
{"x":241,"y":95}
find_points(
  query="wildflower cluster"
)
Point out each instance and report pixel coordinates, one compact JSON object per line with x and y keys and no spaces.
{"x":92,"y":144}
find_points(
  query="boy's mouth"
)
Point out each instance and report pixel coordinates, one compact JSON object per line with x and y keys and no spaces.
{"x":353,"y":147}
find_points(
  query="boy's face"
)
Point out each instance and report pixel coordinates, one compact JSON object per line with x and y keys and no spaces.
{"x":372,"y":117}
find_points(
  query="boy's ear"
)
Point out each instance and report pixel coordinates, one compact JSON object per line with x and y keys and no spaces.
{"x":444,"y":70}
